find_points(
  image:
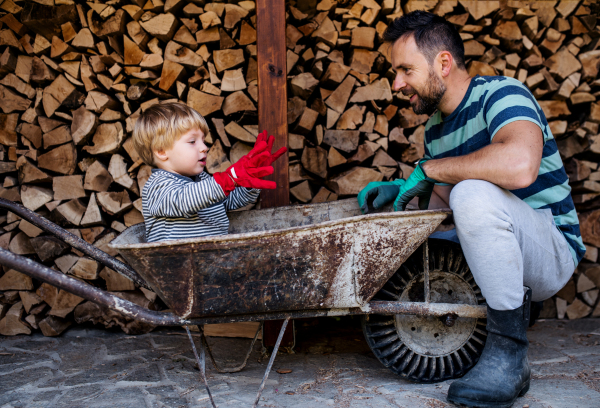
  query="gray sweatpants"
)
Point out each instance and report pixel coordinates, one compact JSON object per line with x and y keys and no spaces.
{"x":507,"y":244}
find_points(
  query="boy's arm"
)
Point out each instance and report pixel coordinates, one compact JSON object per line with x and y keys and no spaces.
{"x":166,"y":197}
{"x":240,"y":197}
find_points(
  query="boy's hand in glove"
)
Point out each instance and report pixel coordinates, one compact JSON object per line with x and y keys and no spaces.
{"x":417,"y":185}
{"x":380,"y":192}
{"x":248,"y":171}
{"x":263,"y":137}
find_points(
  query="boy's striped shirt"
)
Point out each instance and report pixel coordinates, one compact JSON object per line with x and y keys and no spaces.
{"x":490,"y":103}
{"x":176,"y":207}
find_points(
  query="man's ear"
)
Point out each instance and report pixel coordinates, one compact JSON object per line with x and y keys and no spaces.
{"x":446,"y":61}
{"x":161,"y":155}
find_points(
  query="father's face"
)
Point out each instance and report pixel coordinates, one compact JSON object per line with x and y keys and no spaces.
{"x":415,"y":77}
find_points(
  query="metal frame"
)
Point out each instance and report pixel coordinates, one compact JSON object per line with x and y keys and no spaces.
{"x":448,"y":312}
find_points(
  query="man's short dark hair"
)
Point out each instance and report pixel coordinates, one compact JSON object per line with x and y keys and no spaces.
{"x":431,"y":33}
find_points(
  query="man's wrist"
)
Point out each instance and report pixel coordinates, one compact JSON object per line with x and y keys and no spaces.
{"x":425,"y":165}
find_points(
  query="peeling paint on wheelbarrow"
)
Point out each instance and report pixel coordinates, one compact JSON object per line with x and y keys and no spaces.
{"x":318,"y":256}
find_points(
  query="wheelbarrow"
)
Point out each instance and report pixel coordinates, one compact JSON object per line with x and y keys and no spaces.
{"x":423,"y":316}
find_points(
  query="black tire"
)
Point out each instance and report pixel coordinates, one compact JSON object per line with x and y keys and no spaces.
{"x":422,"y":348}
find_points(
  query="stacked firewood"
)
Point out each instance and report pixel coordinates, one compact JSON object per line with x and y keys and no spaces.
{"x":74,"y":77}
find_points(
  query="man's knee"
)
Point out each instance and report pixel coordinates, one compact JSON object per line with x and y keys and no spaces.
{"x":474,"y":201}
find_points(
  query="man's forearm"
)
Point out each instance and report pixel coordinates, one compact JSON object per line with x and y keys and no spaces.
{"x":492,"y":163}
{"x":511,"y":161}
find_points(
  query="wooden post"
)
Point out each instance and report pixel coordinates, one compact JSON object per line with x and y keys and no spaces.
{"x":272,"y":92}
{"x":272,"y":116}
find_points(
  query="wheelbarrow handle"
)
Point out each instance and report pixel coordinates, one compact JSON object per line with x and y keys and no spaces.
{"x":74,"y":241}
{"x":87,"y":291}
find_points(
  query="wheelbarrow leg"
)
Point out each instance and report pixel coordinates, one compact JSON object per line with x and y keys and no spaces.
{"x":426,"y":271}
{"x":271,"y":360}
{"x":200,"y":361}
{"x":231,"y":369}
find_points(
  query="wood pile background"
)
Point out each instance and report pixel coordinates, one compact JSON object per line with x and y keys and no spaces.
{"x":74,"y":76}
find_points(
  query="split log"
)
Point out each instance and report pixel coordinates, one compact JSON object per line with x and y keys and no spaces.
{"x":85,"y":268}
{"x":345,"y":140}
{"x":115,"y":282}
{"x":233,"y":80}
{"x":68,"y":187}
{"x":204,"y":103}
{"x":351,"y":118}
{"x":107,"y":139}
{"x":114,"y":203}
{"x":10,"y":101}
{"x":20,"y":245}
{"x":48,"y":248}
{"x":334,"y":158}
{"x":377,"y":91}
{"x":162,"y":26}
{"x":97,"y":177}
{"x":228,"y":59}
{"x":72,"y":211}
{"x":29,"y":173}
{"x":354,"y":180}
{"x":302,"y":192}
{"x":237,"y":102}
{"x":315,"y":161}
{"x":181,"y":55}
{"x":35,"y":197}
{"x":339,"y":98}
{"x":118,"y":170}
{"x":12,"y":323}
{"x":53,"y":326}
{"x":92,"y":215}
{"x":216,"y":160}
{"x":13,"y":280}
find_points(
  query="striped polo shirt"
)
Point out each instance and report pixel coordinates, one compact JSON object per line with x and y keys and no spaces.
{"x":490,"y":103}
{"x":177,"y":207}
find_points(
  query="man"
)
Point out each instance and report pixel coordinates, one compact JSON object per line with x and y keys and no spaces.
{"x":491,"y":158}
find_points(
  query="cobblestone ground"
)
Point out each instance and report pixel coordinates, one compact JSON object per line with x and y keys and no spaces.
{"x":332,"y":366}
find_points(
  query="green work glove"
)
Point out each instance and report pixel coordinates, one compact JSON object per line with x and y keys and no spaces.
{"x":381,"y":192}
{"x":417,"y":185}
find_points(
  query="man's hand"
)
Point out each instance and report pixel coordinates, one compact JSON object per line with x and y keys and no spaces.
{"x":417,"y":185}
{"x":381,"y":192}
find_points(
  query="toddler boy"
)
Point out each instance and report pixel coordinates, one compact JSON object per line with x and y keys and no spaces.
{"x":170,"y":137}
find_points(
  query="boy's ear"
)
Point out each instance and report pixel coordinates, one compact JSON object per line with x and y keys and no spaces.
{"x":161,"y":155}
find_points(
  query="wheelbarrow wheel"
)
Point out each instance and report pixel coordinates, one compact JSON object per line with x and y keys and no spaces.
{"x":426,"y":349}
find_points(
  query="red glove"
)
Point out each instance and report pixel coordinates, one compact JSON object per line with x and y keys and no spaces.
{"x":262,"y":137}
{"x":248,"y":171}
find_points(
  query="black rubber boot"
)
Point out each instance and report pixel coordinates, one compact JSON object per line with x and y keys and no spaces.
{"x":502,"y":373}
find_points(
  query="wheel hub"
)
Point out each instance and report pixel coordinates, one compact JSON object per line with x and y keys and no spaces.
{"x":429,"y":335}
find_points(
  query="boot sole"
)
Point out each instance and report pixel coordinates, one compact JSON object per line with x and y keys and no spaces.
{"x":488,"y":404}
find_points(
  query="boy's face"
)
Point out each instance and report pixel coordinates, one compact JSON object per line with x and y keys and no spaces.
{"x":187,"y":156}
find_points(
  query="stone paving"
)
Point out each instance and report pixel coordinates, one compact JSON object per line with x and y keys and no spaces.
{"x":332,"y":366}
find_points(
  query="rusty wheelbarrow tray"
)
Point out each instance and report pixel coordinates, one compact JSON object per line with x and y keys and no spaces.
{"x":317,"y":257}
{"x":288,"y":262}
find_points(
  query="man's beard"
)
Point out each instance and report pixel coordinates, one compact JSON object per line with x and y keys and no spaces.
{"x":428,"y":100}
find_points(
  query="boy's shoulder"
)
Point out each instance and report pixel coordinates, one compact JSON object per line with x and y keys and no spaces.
{"x":159,"y":178}
{"x":160,"y":174}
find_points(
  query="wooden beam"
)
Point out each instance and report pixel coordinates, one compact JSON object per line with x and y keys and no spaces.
{"x":272,"y":91}
{"x":272,"y":117}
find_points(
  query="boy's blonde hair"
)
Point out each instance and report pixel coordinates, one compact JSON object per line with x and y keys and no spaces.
{"x":161,"y":125}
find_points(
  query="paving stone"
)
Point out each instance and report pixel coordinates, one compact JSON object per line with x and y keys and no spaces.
{"x":564,"y":393}
{"x":82,"y":396}
{"x":12,"y":381}
{"x":146,"y":374}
